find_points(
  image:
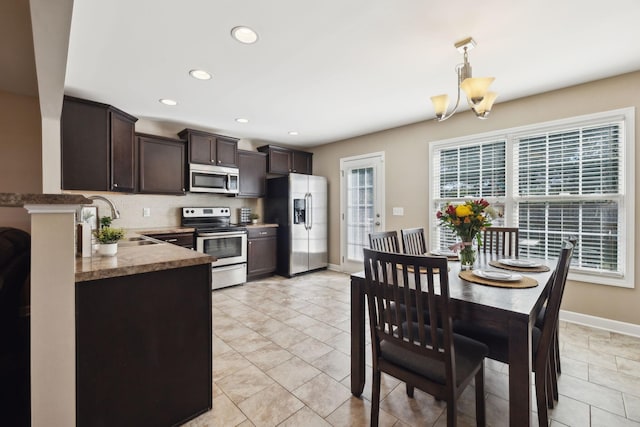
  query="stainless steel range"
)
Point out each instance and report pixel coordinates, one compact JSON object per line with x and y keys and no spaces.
{"x":216,"y":236}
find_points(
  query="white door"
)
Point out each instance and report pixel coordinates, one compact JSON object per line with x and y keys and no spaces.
{"x":361,"y":206}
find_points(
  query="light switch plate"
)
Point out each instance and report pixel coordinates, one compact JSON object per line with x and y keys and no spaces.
{"x":146,"y":212}
{"x":398,"y":211}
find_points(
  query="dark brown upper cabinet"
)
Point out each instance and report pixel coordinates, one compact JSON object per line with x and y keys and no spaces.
{"x":210,"y":149}
{"x":283,"y":161}
{"x":97,"y":147}
{"x":253,"y":173}
{"x":162,"y":164}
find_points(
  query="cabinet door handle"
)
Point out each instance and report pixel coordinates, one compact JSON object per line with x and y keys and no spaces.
{"x":262,"y":233}
{"x":171,"y":240}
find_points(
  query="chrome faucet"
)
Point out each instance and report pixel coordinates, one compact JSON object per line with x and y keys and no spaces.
{"x":114,"y":211}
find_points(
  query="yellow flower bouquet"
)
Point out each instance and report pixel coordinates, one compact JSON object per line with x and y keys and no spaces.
{"x":466,"y":220}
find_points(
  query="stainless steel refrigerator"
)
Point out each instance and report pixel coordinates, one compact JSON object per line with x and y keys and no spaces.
{"x":298,"y":204}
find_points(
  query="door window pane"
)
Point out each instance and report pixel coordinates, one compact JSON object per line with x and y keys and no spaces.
{"x":360,"y":210}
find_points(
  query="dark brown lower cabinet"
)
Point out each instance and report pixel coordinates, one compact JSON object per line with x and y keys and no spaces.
{"x":261,"y":255}
{"x":143,"y":348}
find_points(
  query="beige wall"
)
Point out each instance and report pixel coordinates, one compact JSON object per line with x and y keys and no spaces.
{"x":20,"y":153}
{"x":407,"y":171}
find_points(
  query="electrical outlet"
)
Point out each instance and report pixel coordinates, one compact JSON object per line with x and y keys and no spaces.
{"x":146,"y":212}
{"x":398,"y":211}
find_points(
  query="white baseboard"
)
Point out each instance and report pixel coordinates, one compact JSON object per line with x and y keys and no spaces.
{"x":334,"y":267}
{"x":601,"y":323}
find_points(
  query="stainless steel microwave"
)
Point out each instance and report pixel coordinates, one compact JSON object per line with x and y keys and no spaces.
{"x":213,"y":179}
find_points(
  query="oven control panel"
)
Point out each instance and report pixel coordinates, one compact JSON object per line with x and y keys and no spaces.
{"x":214,"y":212}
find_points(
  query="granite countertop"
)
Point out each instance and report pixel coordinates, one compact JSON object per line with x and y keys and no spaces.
{"x":133,"y":258}
{"x":260,"y":225}
{"x":21,"y":199}
{"x":163,"y":230}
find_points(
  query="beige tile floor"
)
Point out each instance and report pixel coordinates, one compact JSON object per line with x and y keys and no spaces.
{"x":281,"y":358}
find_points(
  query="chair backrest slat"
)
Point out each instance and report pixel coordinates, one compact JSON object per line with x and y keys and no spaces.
{"x":413,"y":241}
{"x":385,"y":241}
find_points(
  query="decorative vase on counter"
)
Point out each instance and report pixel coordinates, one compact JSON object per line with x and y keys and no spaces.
{"x":108,"y":249}
{"x":467,"y":255}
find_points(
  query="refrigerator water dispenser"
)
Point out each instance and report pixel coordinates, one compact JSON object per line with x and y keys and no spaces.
{"x":298,"y":211}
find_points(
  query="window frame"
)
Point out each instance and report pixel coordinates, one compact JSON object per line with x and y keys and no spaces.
{"x":625,"y":196}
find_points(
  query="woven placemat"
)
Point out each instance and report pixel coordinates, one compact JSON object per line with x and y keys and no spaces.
{"x":525,"y":282}
{"x":538,"y":269}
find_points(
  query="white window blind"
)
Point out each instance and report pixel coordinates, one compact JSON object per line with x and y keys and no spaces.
{"x":569,"y":178}
{"x":467,"y":172}
{"x":569,"y":184}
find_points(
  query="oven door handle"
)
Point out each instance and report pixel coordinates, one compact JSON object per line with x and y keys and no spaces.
{"x":222,"y":234}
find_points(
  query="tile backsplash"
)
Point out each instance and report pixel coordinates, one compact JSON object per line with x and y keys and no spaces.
{"x":165,"y":210}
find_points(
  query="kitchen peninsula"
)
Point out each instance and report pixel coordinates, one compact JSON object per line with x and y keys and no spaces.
{"x":143,"y":335}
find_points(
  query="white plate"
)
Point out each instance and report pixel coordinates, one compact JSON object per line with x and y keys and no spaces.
{"x":519,"y":263}
{"x":497,"y":275}
{"x":444,"y":252}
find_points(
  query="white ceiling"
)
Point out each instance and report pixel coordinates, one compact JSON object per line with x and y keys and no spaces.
{"x":334,"y":69}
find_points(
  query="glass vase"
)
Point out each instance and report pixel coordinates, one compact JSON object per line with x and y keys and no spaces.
{"x":467,"y":256}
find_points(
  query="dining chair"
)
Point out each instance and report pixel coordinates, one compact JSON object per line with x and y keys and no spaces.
{"x":424,"y":353}
{"x":555,"y":351}
{"x":500,"y":240}
{"x":385,"y":241}
{"x":542,"y":337}
{"x":413,"y":242}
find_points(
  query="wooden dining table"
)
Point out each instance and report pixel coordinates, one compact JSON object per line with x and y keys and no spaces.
{"x":512,"y":310}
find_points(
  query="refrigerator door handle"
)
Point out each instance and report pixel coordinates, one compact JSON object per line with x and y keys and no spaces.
{"x":310,"y":211}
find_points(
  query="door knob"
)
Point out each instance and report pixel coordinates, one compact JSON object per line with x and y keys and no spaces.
{"x":377,"y":222}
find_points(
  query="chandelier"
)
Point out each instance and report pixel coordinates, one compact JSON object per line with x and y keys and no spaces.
{"x":476,"y":88}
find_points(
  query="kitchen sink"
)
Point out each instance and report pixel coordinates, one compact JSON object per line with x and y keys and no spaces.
{"x":137,"y":241}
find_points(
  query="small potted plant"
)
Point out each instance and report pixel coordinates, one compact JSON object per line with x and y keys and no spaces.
{"x":108,"y":237}
{"x":254,"y":218}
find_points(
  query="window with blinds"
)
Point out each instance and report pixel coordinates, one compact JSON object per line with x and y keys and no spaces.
{"x":569,"y":184}
{"x":467,"y":172}
{"x":553,"y":181}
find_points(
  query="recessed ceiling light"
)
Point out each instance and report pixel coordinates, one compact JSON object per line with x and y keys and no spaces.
{"x":166,"y":101}
{"x":241,"y":120}
{"x":244,"y":35}
{"x":200,"y":74}
{"x":293,"y":133}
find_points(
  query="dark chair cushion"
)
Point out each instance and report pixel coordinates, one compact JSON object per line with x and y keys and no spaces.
{"x":497,"y":340}
{"x":468,"y":355}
